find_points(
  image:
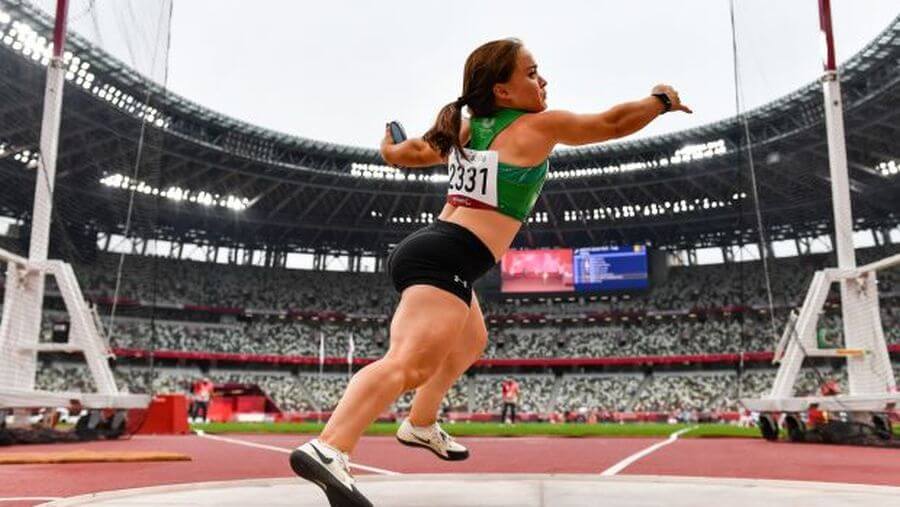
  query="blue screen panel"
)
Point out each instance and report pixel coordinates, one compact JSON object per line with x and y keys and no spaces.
{"x":610,"y":269}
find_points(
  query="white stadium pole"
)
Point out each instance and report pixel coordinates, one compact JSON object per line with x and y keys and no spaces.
{"x":23,"y":297}
{"x":856,"y":319}
{"x":872,"y":387}
{"x":46,"y":170}
{"x":837,"y":149}
{"x":22,"y":322}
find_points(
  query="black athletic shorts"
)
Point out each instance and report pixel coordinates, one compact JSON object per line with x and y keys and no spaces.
{"x":444,"y":255}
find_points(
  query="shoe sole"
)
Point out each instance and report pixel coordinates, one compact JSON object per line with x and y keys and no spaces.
{"x":451,"y":456}
{"x":308,"y":468}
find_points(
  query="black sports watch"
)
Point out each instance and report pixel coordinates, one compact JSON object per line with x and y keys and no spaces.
{"x":667,"y":103}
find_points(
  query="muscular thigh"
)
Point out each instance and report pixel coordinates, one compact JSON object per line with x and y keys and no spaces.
{"x":425,"y":325}
{"x":475,"y":328}
{"x":472,"y":340}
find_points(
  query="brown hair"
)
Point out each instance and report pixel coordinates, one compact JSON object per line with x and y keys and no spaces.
{"x":488,"y":65}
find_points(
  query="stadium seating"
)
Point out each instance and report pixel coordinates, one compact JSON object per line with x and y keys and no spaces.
{"x":650,"y":337}
{"x":690,"y":314}
{"x":540,"y":393}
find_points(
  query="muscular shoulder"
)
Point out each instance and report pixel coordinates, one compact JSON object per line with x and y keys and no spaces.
{"x":548,"y":123}
{"x":527,"y":138}
{"x":546,"y":127}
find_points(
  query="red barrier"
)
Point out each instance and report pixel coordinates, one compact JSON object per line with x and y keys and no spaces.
{"x":545,"y":361}
{"x":250,"y":404}
{"x":540,"y":362}
{"x":232,"y":400}
{"x":526,"y":318}
{"x":166,"y":415}
{"x":220,"y":409}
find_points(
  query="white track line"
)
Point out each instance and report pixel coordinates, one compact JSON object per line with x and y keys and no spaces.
{"x":287,"y":451}
{"x":618,"y":467}
{"x":29,"y":498}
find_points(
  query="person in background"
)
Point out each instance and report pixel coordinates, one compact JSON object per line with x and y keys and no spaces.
{"x":816,"y":417}
{"x":510,"y":391}
{"x":202,"y":394}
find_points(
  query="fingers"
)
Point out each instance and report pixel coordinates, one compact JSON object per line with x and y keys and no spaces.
{"x":676,"y":101}
{"x":673,"y":97}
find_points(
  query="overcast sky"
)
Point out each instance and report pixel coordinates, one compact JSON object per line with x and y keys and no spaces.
{"x":338,"y":70}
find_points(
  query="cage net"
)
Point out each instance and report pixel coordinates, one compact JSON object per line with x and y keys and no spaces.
{"x":110,"y":151}
{"x":120,"y":169}
{"x":783,"y":166}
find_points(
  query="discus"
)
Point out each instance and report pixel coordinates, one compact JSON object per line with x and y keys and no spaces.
{"x":397,"y":132}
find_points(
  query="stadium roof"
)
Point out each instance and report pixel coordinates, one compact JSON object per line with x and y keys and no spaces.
{"x":205,"y":177}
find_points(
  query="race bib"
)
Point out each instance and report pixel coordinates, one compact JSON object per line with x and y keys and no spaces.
{"x":473,"y":179}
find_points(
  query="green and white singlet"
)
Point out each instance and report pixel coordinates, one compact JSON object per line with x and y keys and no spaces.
{"x":486,"y":183}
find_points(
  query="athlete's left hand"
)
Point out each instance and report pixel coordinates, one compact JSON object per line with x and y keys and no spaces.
{"x":673,"y":98}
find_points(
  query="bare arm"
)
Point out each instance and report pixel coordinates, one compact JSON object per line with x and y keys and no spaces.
{"x":621,"y":120}
{"x":415,"y":152}
{"x":410,"y":153}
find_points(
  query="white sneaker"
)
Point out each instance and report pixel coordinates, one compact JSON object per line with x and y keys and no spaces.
{"x":329,"y":469}
{"x":433,"y":438}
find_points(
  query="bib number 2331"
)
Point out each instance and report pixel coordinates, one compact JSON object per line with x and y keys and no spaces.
{"x":475,"y":178}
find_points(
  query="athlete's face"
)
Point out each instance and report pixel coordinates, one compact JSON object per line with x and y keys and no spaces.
{"x":526,"y":89}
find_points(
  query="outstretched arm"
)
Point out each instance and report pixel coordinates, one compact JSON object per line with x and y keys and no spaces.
{"x":415,"y":152}
{"x":621,"y":120}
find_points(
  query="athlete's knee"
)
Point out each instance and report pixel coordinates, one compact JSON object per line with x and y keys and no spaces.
{"x":420,"y":372}
{"x":416,"y":376}
{"x":412,"y":370}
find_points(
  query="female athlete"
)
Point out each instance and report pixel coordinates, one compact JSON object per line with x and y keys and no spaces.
{"x":498,"y":161}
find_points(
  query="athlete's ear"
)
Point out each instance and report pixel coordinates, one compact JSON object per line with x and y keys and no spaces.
{"x":501,"y":91}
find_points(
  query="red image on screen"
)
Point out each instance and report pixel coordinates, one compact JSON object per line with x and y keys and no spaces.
{"x":546,"y":270}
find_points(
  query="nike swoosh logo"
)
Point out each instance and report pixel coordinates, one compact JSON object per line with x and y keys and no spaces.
{"x":424,"y":441}
{"x":322,"y":457}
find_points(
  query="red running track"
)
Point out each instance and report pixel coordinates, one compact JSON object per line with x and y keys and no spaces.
{"x":217,"y":460}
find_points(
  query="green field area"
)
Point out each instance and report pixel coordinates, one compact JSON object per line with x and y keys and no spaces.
{"x":467,"y":429}
{"x":501,"y":430}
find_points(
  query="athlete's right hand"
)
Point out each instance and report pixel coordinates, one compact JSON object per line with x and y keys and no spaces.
{"x":673,"y":97}
{"x":386,"y":142}
{"x":388,"y":139}
{"x":414,"y":152}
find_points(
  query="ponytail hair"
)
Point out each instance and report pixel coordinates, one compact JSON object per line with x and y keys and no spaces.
{"x":489,"y":64}
{"x":444,"y":134}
